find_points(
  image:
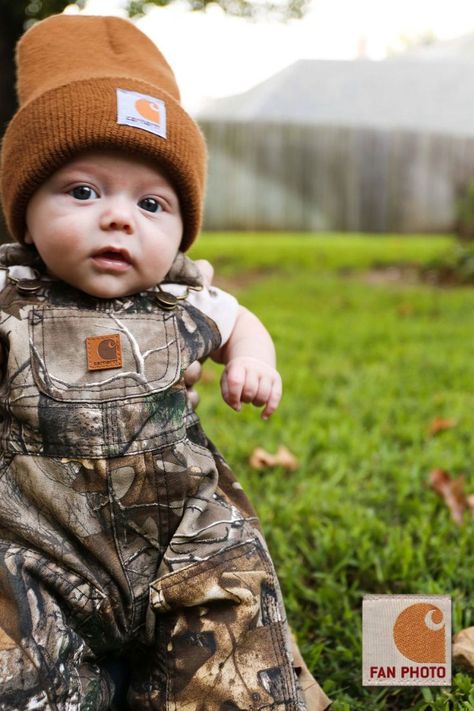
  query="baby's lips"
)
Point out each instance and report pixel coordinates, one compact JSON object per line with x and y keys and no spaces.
{"x":112,"y":252}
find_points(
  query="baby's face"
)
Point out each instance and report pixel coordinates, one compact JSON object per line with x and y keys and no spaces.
{"x":107,"y":224}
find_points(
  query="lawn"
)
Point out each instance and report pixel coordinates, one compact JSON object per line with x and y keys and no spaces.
{"x":367,"y":365}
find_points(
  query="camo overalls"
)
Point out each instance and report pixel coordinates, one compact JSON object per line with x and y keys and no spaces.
{"x":122,"y":530}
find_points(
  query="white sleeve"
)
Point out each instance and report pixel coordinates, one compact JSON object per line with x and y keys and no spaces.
{"x":218,"y":305}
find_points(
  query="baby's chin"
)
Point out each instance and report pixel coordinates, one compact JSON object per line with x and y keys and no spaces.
{"x":112,"y":290}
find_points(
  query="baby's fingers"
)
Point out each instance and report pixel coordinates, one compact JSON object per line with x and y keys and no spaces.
{"x":263,"y":391}
{"x":273,"y":399}
{"x":232,"y":383}
{"x":251,"y":386}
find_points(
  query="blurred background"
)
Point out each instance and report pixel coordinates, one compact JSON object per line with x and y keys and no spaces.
{"x":354,"y":116}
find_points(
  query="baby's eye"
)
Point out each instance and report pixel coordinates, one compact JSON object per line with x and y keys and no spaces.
{"x":150,"y":204}
{"x":83,"y":192}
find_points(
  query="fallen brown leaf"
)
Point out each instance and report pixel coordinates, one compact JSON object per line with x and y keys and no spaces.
{"x":470,"y":503}
{"x":463,"y":647}
{"x":261,"y":459}
{"x":440,"y":424}
{"x":451,"y":491}
{"x":405,"y":309}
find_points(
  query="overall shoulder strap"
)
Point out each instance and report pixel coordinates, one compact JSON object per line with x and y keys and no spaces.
{"x":183,"y":271}
{"x":14,"y":254}
{"x":20,"y":266}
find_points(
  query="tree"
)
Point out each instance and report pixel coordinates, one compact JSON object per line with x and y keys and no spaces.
{"x":17,"y":15}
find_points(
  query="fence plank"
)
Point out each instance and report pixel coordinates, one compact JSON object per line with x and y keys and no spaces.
{"x":269,"y":176}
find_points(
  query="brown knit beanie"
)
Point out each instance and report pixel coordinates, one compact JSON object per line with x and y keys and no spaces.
{"x":91,"y":83}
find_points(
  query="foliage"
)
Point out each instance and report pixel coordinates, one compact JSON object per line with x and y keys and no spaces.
{"x":465,"y":212}
{"x":453,"y":266}
{"x":22,"y":10}
{"x":407,"y":42}
{"x":282,"y":9}
{"x":463,"y":262}
{"x":366,"y":369}
{"x":39,"y":9}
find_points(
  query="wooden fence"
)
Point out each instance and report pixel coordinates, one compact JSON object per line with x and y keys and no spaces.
{"x":270,"y":176}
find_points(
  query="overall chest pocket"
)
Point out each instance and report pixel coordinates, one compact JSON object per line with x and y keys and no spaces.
{"x":136,"y":355}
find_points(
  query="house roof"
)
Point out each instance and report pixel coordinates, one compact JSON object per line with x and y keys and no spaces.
{"x":412,"y":94}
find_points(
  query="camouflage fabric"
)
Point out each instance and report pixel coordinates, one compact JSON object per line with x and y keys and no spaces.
{"x":122,"y":529}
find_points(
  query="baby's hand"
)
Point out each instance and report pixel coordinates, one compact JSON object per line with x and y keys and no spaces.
{"x":247,"y":379}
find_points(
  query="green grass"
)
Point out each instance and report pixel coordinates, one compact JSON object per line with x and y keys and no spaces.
{"x":288,"y":253}
{"x":365,"y":368}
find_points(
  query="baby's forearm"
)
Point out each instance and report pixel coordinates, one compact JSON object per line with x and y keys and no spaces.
{"x":249,"y":339}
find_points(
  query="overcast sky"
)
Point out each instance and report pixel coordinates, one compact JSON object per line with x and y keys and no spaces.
{"x":216,"y":55}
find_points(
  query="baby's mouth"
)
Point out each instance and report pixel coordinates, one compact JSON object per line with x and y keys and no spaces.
{"x":112,"y":258}
{"x":114,"y":255}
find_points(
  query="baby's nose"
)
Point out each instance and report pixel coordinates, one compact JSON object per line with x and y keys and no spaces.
{"x":117,"y":218}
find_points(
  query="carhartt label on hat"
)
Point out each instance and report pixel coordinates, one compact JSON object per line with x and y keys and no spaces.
{"x":141,"y":111}
{"x":104,"y":352}
{"x":406,"y":640}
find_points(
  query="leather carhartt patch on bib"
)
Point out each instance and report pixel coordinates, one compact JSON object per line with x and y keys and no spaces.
{"x":104,"y":352}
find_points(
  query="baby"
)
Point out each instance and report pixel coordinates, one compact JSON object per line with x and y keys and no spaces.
{"x":122,"y":530}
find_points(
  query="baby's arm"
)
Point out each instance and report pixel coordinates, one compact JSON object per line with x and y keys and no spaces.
{"x":249,"y":374}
